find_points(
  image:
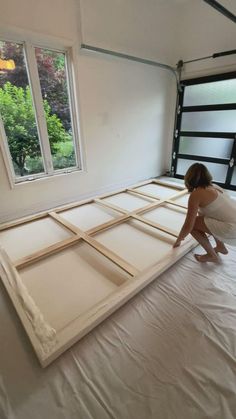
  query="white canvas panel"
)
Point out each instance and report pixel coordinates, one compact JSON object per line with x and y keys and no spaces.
{"x":127,"y":201}
{"x":27,"y":238}
{"x":158,"y":191}
{"x":139,"y":244}
{"x":168,"y":216}
{"x":89,"y":215}
{"x":69,"y":283}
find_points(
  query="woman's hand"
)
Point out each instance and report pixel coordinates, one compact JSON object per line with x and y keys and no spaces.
{"x":193,"y":205}
{"x":177,"y":243}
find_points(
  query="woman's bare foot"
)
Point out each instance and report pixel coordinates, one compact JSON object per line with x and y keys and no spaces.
{"x":207,"y":258}
{"x":221,"y":249}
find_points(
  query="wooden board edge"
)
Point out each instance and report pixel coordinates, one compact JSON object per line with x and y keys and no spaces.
{"x":20,"y":313}
{"x":168,"y":184}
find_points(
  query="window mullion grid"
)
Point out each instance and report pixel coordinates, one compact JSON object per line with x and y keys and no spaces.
{"x":38,"y":105}
{"x":213,"y":107}
{"x":231,"y":165}
{"x":71,"y":86}
{"x":211,"y":159}
{"x":175,"y":150}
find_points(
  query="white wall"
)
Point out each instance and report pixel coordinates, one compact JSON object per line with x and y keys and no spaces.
{"x":126,"y":114}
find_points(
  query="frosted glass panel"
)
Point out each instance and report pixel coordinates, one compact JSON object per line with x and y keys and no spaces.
{"x":218,"y":171}
{"x":222,"y":121}
{"x":218,"y":92}
{"x":233,"y":181}
{"x":208,"y":147}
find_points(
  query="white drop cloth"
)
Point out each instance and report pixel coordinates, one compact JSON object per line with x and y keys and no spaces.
{"x":169,"y":353}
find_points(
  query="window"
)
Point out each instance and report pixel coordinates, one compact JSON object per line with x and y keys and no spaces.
{"x":38,"y":114}
{"x":206,"y":128}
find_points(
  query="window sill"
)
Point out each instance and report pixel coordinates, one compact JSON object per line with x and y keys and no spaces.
{"x":44,"y":178}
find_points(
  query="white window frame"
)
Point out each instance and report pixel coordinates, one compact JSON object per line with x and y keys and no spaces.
{"x":31,"y":66}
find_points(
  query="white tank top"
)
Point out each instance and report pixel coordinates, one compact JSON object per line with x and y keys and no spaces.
{"x":223,"y":208}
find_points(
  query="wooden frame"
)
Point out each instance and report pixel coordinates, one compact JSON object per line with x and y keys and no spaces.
{"x":16,"y":272}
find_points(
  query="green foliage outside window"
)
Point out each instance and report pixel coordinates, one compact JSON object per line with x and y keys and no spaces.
{"x":18,"y":117}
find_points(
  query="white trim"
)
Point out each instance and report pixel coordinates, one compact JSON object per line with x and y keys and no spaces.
{"x":38,"y":105}
{"x":39,"y":176}
{"x":73,"y":68}
{"x":6,"y":155}
{"x":16,"y":34}
{"x":72,"y":105}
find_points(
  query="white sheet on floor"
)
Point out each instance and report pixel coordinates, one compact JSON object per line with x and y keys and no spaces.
{"x":169,"y":353}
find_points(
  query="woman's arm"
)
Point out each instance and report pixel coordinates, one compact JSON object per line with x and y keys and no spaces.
{"x":193,"y":206}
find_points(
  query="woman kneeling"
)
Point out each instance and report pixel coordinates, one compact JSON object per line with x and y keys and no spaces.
{"x":211,"y":211}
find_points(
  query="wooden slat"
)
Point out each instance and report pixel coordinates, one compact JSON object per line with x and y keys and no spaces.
{"x":123,"y":218}
{"x":134,"y":193}
{"x":127,"y":267}
{"x":33,"y":257}
{"x":178,"y":194}
{"x":108,"y":224}
{"x":72,"y":205}
{"x":147,"y":195}
{"x":112,"y":206}
{"x":106,"y":195}
{"x":64,"y":222}
{"x":40,"y":254}
{"x":154,"y":204}
{"x":49,"y":250}
{"x":168,"y":201}
{"x":126,"y":217}
{"x":168,"y":185}
{"x":21,"y":263}
{"x":156,"y":225}
{"x":149,"y":207}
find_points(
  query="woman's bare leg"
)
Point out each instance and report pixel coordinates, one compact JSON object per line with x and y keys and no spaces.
{"x":202,"y":239}
{"x":220,"y":247}
{"x":199,"y":233}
